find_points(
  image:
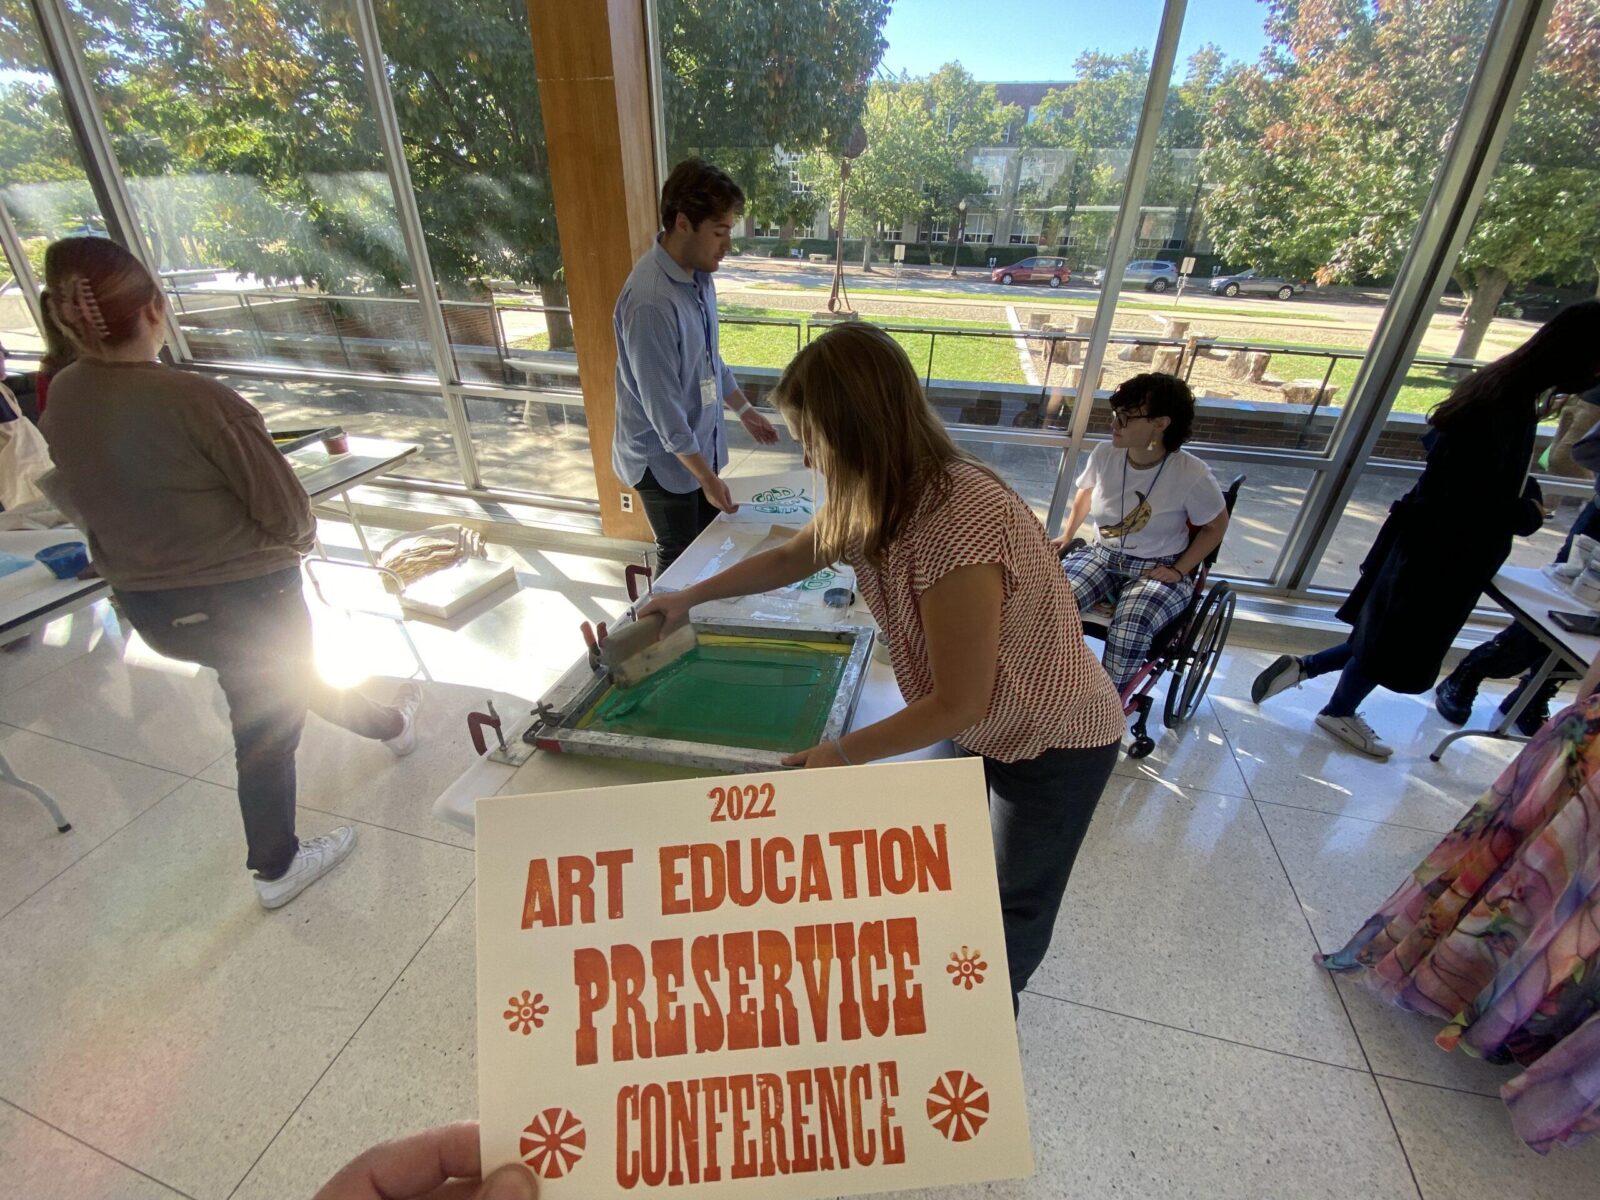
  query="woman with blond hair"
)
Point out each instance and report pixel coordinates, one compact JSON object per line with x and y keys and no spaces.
{"x":982,"y":628}
{"x":199,"y":524}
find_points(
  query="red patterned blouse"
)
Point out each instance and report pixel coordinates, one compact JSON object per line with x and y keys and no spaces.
{"x":1050,"y":692}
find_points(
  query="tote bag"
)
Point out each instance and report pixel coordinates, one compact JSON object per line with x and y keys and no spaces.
{"x":24,"y":456}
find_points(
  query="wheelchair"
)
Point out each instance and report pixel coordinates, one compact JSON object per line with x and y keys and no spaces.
{"x":1188,"y":647}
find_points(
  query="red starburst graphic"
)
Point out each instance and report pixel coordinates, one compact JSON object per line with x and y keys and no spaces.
{"x":958,"y":1106}
{"x":553,"y":1143}
{"x":526,"y":1012}
{"x":966,"y":968}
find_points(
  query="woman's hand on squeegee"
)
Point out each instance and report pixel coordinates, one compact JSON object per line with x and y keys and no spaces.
{"x":673,"y":608}
{"x":825,"y":755}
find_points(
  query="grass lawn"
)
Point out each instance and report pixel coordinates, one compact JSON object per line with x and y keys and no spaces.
{"x":534,"y":341}
{"x":982,"y":359}
{"x":1041,"y":296}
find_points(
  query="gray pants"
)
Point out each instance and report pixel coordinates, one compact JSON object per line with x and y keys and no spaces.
{"x":1039,"y":811}
{"x":256,"y":635}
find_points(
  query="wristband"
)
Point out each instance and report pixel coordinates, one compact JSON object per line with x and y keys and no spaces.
{"x":838,"y":745}
{"x":744,"y":407}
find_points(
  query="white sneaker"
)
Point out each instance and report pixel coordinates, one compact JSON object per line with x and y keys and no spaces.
{"x":1284,"y":673}
{"x":315,"y":858}
{"x":1354,"y":732}
{"x":408,"y":700}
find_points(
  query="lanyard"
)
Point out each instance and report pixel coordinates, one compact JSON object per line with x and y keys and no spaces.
{"x":705,"y":322}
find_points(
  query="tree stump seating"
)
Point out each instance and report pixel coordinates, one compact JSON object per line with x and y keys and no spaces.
{"x":1305,"y":391}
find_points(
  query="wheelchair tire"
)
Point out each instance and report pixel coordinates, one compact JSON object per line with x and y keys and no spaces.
{"x":1199,"y":657}
{"x":1141,"y":747}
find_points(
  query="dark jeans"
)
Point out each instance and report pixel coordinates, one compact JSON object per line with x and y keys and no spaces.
{"x":1039,"y":810}
{"x":1353,"y":687}
{"x":676,"y":518}
{"x":256,"y":635}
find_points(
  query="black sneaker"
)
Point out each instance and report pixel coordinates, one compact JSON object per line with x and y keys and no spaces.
{"x":1284,"y":673}
{"x":1453,"y":700}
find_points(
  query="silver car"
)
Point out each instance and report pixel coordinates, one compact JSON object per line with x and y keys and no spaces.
{"x":1152,"y":274}
{"x":1253,"y":283}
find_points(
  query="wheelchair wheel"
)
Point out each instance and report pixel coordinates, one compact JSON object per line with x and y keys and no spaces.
{"x":1199,"y":661}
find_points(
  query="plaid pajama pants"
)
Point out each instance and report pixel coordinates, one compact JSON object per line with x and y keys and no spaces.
{"x":1143,"y":606}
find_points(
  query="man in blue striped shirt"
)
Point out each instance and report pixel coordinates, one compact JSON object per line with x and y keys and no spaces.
{"x":671,"y":381}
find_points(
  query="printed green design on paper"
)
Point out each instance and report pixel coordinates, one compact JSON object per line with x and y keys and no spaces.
{"x":783,"y":501}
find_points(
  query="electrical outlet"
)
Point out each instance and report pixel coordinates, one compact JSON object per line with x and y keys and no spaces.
{"x":627,"y":502}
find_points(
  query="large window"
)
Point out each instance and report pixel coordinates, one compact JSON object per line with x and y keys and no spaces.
{"x":43,"y":188}
{"x":1534,"y":248}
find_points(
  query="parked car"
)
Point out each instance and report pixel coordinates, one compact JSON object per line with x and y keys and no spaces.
{"x":1253,"y":283}
{"x":1152,"y":274}
{"x":1038,"y":269}
{"x":1533,"y":306}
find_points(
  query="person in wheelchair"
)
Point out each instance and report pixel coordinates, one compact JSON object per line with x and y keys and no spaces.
{"x":1158,"y":513}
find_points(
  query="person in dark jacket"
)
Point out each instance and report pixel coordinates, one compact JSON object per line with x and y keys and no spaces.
{"x":1445,"y":538}
{"x":1514,"y":650}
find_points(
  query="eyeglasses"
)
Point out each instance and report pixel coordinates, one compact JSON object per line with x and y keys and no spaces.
{"x":1121,"y":417}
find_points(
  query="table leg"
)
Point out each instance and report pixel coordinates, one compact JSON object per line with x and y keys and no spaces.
{"x":1551,"y":662}
{"x":7,"y":775}
{"x":361,"y":534}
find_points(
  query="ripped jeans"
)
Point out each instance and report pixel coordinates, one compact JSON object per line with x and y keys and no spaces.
{"x":256,"y":635}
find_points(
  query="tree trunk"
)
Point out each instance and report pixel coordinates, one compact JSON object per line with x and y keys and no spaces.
{"x":866,"y":251}
{"x":558,"y":324}
{"x":786,"y":232}
{"x":1488,"y":287}
{"x":1597,"y":279}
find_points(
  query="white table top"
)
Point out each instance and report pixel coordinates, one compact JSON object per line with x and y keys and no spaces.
{"x":1528,"y":594}
{"x":724,"y":543}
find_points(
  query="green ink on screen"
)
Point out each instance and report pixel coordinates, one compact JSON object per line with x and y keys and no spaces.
{"x":758,"y":693}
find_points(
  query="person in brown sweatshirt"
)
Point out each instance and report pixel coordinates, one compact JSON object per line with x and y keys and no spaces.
{"x":198,"y":523}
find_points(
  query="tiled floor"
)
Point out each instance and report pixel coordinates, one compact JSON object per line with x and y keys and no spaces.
{"x":163,"y":1036}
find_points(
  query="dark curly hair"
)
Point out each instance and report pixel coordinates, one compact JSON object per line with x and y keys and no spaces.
{"x":699,"y":191}
{"x":1160,"y":395}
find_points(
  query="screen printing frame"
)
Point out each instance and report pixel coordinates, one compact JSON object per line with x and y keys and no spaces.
{"x":555,"y":726}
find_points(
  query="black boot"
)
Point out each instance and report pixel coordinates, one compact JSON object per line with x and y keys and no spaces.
{"x":1454,"y":696}
{"x":1532,"y":719}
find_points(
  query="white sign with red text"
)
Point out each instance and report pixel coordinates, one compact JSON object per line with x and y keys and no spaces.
{"x":794,"y":981}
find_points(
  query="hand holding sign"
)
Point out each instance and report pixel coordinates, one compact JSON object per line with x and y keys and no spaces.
{"x":705,"y":983}
{"x":436,"y":1164}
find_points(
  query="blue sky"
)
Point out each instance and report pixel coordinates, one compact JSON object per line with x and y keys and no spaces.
{"x":1000,"y":40}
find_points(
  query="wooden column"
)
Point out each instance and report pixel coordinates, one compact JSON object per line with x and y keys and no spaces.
{"x":593,"y":69}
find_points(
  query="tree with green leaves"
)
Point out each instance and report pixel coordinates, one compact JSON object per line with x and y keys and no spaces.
{"x":743,"y":78}
{"x":1091,"y":123}
{"x":962,"y":115}
{"x":1320,"y":158}
{"x":886,"y":178}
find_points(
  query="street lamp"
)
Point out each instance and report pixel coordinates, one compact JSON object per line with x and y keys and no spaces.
{"x":961,"y":233}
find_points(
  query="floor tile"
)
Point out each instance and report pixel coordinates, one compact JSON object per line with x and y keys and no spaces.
{"x":346,"y":775}
{"x":98,"y":795}
{"x":58,"y":643}
{"x":124,"y":699}
{"x":1178,"y":911}
{"x":1462,"y":1147}
{"x":1286,"y":759}
{"x":1342,"y":871}
{"x":158,"y":1012}
{"x":1196,"y":755}
{"x":41,"y":1163}
{"x":412,"y":1066}
{"x":1127,"y":1109}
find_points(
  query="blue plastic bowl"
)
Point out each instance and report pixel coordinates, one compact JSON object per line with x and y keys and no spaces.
{"x":66,"y":561}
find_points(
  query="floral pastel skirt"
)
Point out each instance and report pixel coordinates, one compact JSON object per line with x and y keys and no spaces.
{"x":1497,"y":932}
